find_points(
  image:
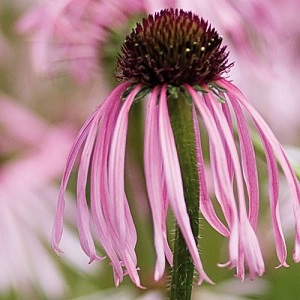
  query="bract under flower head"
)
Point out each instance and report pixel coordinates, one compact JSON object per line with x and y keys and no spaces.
{"x":173,"y":47}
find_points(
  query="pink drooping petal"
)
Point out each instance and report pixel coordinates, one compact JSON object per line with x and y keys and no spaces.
{"x":252,"y":251}
{"x":83,"y":214}
{"x":154,"y":181}
{"x":101,"y":203}
{"x":267,"y":133}
{"x":122,"y":219}
{"x":223,"y":188}
{"x":222,"y":179}
{"x":205,"y":206}
{"x":248,"y":164}
{"x":296,"y":253}
{"x":219,"y":159}
{"x":100,"y":198}
{"x":129,"y":256}
{"x":174,"y":183}
{"x":79,"y":141}
{"x":273,"y":194}
{"x":57,"y":230}
{"x":274,"y":203}
{"x":210,"y":112}
{"x":116,"y":169}
{"x":228,"y":117}
{"x":223,"y":138}
{"x":223,"y":184}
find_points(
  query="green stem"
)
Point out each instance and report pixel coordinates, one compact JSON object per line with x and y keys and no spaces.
{"x":182,"y":124}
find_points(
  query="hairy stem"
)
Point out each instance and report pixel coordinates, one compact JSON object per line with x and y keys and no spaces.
{"x":182,"y":124}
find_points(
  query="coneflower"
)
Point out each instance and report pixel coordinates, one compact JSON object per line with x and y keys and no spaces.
{"x":176,"y":63}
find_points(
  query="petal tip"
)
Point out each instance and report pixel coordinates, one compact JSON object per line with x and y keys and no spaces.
{"x":204,"y":277}
{"x":282,"y":264}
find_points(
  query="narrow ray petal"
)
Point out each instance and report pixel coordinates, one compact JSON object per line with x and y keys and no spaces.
{"x":116,"y":166}
{"x":282,"y":159}
{"x":57,"y":230}
{"x":219,"y":163}
{"x":83,"y":215}
{"x":206,"y":206}
{"x":121,"y":217}
{"x":274,"y":203}
{"x":99,"y":191}
{"x":228,"y":117}
{"x":251,"y":250}
{"x":153,"y":171}
{"x":273,"y":194}
{"x":237,"y":244}
{"x":222,"y":178}
{"x":248,"y":164}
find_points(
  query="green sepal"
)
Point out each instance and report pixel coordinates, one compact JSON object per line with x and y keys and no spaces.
{"x":142,"y":93}
{"x":217,"y":87}
{"x":219,"y":98}
{"x":217,"y":90}
{"x":199,"y":88}
{"x":175,"y":92}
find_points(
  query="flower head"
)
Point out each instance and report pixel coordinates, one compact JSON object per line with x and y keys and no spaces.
{"x":170,"y":55}
{"x":172,"y":47}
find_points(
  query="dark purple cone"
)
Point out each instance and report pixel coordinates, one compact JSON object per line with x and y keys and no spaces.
{"x":172,"y":47}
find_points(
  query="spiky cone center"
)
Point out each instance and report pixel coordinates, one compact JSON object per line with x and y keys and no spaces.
{"x":172,"y":47}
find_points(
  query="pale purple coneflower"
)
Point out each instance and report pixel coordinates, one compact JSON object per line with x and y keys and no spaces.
{"x":171,"y":55}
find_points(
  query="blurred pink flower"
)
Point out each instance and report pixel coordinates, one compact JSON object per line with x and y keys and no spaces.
{"x":32,"y":161}
{"x":69,"y":34}
{"x":282,"y":93}
{"x":197,"y":72}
